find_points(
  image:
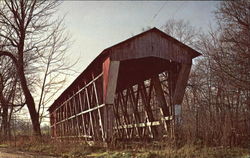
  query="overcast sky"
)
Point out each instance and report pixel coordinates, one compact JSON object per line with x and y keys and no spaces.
{"x":95,"y":26}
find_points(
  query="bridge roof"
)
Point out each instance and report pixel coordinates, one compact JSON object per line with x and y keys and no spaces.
{"x":151,"y":43}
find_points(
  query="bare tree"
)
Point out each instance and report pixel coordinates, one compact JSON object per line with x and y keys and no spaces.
{"x":233,"y":53}
{"x":33,"y":38}
{"x":232,"y":58}
{"x":182,"y":30}
{"x":8,"y":91}
{"x":218,"y":88}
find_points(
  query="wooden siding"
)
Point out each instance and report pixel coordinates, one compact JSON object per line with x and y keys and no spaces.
{"x":152,"y":44}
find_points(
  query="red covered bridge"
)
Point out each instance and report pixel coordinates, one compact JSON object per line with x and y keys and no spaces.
{"x":132,"y":90}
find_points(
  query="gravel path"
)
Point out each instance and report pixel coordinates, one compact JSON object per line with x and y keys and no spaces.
{"x":6,"y":153}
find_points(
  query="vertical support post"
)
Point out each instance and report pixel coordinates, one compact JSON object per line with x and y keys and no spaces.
{"x":134,"y":101}
{"x":148,"y":110}
{"x":51,"y":123}
{"x":78,"y":132}
{"x":71,"y":120}
{"x":83,"y":120}
{"x":181,"y":84}
{"x":63,"y":117}
{"x":90,"y":113}
{"x":117,"y":117}
{"x":67,"y":122}
{"x":179,"y":91}
{"x":55,"y":129}
{"x":60,"y":118}
{"x":59,"y":126}
{"x":123,"y":106}
{"x":99,"y":112}
{"x":110,"y":76}
{"x":161,"y":101}
{"x":54,"y":123}
{"x":172,"y":78}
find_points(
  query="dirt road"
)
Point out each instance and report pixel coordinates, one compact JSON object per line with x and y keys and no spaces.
{"x":7,"y":153}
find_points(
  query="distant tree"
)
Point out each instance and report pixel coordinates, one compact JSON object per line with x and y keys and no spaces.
{"x":182,"y":30}
{"x":233,"y":53}
{"x":10,"y":95}
{"x":231,"y":62}
{"x":218,"y":89}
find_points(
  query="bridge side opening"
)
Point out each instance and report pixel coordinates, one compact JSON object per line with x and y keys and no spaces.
{"x":79,"y":115}
{"x":143,"y":103}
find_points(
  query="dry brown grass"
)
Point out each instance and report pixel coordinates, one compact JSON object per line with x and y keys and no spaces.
{"x":67,"y":149}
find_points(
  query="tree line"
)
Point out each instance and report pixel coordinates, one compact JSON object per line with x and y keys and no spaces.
{"x":216,"y":106}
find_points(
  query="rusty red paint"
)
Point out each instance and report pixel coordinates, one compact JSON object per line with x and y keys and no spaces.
{"x":105,"y":67}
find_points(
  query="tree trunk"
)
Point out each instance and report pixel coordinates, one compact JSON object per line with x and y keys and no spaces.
{"x":34,"y":115}
{"x":30,"y":103}
{"x":4,"y":117}
{"x":5,"y":121}
{"x":5,"y":110}
{"x":9,"y":122}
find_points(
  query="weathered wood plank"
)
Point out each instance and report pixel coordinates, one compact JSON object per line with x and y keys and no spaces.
{"x":122,"y":103}
{"x":109,"y":83}
{"x":181,"y":83}
{"x":134,"y":103}
{"x":152,"y":44}
{"x":83,"y":119}
{"x":179,"y":92}
{"x":90,"y":113}
{"x":99,"y":112}
{"x":161,"y":100}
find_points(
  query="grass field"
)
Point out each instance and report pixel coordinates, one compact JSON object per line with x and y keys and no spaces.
{"x":128,"y":150}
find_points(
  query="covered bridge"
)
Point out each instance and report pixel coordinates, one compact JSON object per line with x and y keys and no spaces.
{"x":132,"y":90}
